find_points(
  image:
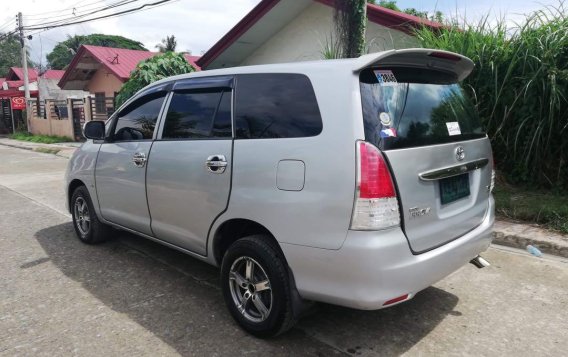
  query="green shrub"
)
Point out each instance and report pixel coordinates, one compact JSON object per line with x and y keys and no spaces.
{"x":520,"y":85}
{"x":151,"y":70}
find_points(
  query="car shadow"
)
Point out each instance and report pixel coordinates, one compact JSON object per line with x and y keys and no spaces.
{"x":178,"y":299}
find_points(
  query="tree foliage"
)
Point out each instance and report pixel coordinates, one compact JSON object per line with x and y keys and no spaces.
{"x":151,"y":70}
{"x":10,"y":54}
{"x":168,"y":44}
{"x":391,"y":4}
{"x":63,"y":52}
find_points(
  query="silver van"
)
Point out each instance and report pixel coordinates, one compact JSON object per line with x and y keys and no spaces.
{"x":356,"y":182}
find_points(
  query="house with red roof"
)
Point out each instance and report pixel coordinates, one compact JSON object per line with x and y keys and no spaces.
{"x":278,"y":31}
{"x":98,"y":69}
{"x":101,"y":71}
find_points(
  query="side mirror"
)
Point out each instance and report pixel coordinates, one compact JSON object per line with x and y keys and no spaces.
{"x":94,"y":129}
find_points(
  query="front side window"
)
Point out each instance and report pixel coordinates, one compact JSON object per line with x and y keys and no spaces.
{"x":138,"y":120}
{"x":199,"y":115}
{"x":276,"y":105}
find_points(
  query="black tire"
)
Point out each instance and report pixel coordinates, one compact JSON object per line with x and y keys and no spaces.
{"x":258,"y":250}
{"x":97,"y":231}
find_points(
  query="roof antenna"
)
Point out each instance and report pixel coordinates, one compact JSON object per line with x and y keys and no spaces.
{"x":115,"y":59}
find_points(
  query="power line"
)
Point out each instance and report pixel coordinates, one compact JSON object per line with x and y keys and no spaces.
{"x":124,"y":12}
{"x":153,"y":7}
{"x":67,"y":8}
{"x":83,"y":15}
{"x":8,"y":24}
{"x":8,"y":35}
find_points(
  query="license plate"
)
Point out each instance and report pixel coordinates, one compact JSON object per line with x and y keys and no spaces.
{"x":454,"y":188}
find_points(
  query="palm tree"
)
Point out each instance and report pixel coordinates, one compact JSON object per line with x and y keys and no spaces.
{"x":168,"y":44}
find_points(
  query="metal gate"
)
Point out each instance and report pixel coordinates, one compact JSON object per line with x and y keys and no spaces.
{"x":5,"y":117}
{"x":101,"y":107}
{"x":78,"y":118}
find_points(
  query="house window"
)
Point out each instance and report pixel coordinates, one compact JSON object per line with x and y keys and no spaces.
{"x":100,"y":102}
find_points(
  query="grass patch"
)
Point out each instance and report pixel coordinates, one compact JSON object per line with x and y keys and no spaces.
{"x":47,"y":150}
{"x":43,"y":139}
{"x":545,"y":208}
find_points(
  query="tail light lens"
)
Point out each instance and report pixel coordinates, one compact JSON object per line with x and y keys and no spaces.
{"x":376,"y":205}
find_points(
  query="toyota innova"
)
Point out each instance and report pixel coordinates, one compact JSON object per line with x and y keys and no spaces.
{"x":356,"y":182}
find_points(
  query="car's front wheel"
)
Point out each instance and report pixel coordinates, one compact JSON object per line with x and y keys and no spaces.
{"x":255,"y":285}
{"x":85,"y":221}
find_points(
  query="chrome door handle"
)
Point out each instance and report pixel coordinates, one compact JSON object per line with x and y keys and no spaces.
{"x":216,"y":164}
{"x":139,"y":159}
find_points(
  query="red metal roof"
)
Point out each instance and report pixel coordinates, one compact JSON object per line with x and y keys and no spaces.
{"x":119,"y":61}
{"x":52,"y":74}
{"x":193,"y":61}
{"x":17,"y":73}
{"x":377,"y":14}
{"x":14,"y":84}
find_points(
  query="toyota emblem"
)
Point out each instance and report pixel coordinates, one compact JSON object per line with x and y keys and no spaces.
{"x":460,"y":153}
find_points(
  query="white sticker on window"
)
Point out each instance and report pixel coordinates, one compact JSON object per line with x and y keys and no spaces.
{"x":385,"y":119}
{"x":453,"y":128}
{"x":385,"y":77}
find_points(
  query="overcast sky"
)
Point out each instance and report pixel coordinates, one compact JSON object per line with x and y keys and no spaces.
{"x":198,"y":24}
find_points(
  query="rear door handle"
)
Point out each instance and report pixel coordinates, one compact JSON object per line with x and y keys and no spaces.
{"x":216,"y":164}
{"x":139,"y":159}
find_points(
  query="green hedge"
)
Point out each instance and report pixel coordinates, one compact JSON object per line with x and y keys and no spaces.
{"x":520,"y":85}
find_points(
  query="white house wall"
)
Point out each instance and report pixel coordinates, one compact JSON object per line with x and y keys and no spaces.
{"x":304,"y":38}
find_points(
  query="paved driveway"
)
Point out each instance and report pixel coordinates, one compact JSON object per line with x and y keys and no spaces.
{"x":134,"y":297}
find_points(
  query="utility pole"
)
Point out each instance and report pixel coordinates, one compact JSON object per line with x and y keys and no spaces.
{"x":24,"y":57}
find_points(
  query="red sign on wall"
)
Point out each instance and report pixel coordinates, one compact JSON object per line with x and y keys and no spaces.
{"x":18,"y":103}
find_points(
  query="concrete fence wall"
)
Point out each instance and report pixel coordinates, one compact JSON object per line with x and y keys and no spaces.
{"x":66,"y":117}
{"x":57,"y":122}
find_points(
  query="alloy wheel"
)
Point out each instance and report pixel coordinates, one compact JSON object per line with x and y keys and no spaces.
{"x":82,"y":216}
{"x":250,"y":289}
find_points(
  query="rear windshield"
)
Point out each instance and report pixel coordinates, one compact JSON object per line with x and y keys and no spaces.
{"x":409,"y":107}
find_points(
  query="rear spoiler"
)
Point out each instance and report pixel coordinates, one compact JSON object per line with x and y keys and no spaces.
{"x":425,"y":58}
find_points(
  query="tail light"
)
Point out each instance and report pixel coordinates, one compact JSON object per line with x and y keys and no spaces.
{"x":376,"y":205}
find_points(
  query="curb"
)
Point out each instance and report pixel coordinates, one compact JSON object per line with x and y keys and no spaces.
{"x":517,"y":241}
{"x":32,"y":148}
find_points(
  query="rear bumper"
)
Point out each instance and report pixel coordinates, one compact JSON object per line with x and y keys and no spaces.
{"x":374,"y":267}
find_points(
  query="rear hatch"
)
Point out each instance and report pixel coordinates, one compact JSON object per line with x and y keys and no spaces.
{"x":430,"y":134}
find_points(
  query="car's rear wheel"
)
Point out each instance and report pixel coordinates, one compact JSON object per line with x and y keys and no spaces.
{"x":256,"y":288}
{"x":87,"y":226}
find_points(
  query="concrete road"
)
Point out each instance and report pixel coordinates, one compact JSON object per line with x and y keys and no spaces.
{"x":134,"y":297}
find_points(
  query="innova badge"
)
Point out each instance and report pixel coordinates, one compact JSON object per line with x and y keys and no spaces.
{"x":460,"y":153}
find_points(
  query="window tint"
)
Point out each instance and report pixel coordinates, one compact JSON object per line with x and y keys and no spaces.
{"x":276,"y":106}
{"x":190,"y":115}
{"x":413,"y":107}
{"x":138,"y":120}
{"x":222,"y":127}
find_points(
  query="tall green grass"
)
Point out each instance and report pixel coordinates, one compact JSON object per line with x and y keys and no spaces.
{"x":520,"y":85}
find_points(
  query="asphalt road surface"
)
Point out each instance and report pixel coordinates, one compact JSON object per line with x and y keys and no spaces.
{"x":130,"y":296}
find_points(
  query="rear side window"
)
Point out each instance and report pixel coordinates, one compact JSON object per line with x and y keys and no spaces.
{"x":276,"y":105}
{"x":408,"y":107}
{"x":198,"y":115}
{"x":138,"y":120}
